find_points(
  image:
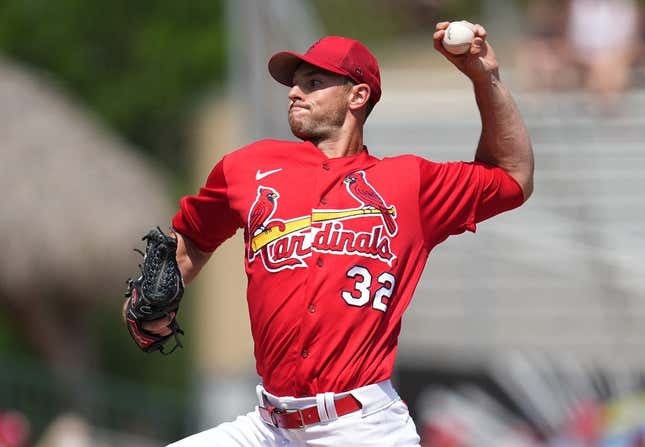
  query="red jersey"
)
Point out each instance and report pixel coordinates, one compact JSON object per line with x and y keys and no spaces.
{"x":334,"y":250}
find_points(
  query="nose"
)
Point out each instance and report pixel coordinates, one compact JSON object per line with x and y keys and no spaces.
{"x":295,"y":93}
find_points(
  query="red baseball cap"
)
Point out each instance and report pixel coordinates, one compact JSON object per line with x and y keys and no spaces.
{"x":340,"y":55}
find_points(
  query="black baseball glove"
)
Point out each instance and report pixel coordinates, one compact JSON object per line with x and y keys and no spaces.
{"x":156,"y":293}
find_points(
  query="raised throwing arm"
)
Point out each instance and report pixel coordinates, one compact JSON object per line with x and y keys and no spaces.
{"x":504,"y":141}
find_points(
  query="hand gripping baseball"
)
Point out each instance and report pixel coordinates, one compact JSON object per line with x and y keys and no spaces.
{"x":479,"y":62}
{"x":156,"y":294}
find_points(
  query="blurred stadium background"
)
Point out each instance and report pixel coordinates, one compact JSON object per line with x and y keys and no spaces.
{"x":528,"y":334}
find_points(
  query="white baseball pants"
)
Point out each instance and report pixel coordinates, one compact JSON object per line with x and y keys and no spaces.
{"x":383,"y":421}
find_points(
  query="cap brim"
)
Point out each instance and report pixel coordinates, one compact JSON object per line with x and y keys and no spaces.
{"x":284,"y":64}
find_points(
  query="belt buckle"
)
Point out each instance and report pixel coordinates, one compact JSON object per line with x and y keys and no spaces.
{"x":276,"y":410}
{"x":272,"y":412}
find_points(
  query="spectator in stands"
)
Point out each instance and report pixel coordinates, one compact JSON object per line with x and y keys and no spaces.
{"x":14,"y":429}
{"x":603,"y":40}
{"x":67,"y":430}
{"x":542,"y":54}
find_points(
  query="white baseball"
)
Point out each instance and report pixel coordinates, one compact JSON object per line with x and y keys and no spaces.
{"x":458,"y":37}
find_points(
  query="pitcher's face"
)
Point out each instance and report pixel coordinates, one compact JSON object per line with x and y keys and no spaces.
{"x":318,"y":102}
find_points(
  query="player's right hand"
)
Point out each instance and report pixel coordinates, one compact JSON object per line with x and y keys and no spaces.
{"x":479,"y":63}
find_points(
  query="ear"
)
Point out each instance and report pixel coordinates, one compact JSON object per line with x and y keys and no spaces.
{"x":359,"y":96}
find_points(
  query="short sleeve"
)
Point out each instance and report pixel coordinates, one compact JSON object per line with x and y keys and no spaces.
{"x":455,"y":196}
{"x":207,"y":218}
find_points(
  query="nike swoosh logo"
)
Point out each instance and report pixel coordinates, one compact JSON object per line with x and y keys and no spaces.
{"x":260,"y":175}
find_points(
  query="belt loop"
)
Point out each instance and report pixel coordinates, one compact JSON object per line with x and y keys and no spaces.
{"x":322,"y":411}
{"x":330,"y":405}
{"x":259,"y":390}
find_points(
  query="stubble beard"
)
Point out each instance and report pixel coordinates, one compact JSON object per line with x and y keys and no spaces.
{"x":316,"y":128}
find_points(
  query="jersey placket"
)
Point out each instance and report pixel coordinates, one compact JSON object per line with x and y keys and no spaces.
{"x":308,"y":339}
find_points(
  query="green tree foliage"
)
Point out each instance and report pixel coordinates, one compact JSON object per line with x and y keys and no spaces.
{"x":140,"y":65}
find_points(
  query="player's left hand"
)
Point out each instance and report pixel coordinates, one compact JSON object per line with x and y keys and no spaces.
{"x":479,"y":63}
{"x":160,"y":326}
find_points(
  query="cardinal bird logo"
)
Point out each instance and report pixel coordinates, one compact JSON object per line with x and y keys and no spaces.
{"x":260,"y":221}
{"x":262,"y":210}
{"x":361,"y":190}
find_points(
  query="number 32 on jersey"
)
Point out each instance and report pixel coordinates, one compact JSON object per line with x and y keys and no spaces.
{"x":361,"y":294}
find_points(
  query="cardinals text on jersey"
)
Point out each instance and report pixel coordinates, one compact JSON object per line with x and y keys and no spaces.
{"x":283,"y":244}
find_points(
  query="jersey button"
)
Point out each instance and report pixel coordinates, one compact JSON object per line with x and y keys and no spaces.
{"x":320,"y":262}
{"x":304,"y":354}
{"x":325,"y":166}
{"x":312,"y":308}
{"x":323,"y":201}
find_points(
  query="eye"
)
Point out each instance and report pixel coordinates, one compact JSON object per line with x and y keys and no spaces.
{"x":314,"y":82}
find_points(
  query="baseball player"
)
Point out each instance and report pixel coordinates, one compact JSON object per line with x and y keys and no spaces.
{"x":336,"y":240}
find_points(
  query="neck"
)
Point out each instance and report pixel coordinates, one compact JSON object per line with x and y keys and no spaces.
{"x":342,"y":144}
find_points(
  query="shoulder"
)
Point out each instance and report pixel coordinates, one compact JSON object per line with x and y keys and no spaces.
{"x":261,"y":147}
{"x":405,"y":160}
{"x":429,"y":169}
{"x":263,"y":155}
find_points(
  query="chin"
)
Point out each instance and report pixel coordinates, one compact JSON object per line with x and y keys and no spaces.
{"x":298,"y":128}
{"x":299,"y":133}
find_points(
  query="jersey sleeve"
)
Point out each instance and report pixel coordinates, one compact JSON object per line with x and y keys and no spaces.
{"x":455,"y":196}
{"x":207,"y":218}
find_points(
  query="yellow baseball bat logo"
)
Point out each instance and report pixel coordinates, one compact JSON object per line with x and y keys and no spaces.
{"x":274,"y":233}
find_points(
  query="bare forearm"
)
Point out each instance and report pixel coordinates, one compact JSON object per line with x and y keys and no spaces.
{"x":190,"y":258}
{"x":504,"y":140}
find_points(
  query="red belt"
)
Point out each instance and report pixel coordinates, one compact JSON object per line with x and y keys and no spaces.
{"x":300,"y":418}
